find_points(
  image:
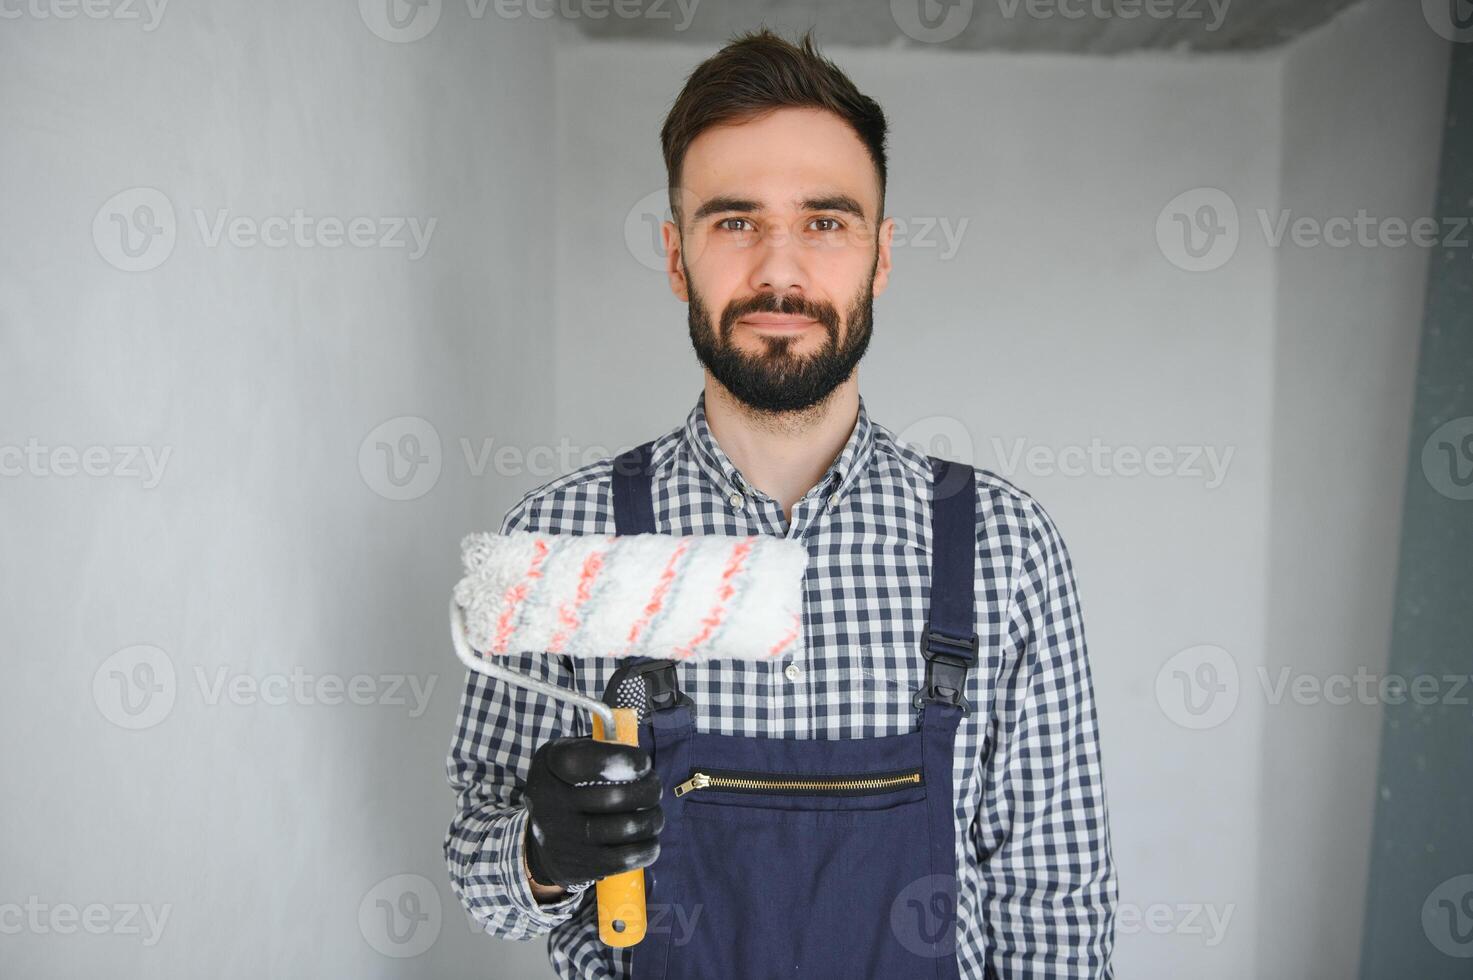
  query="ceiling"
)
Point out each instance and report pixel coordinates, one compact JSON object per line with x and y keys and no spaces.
{"x":1077,"y":26}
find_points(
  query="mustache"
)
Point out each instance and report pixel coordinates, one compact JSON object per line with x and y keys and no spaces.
{"x":789,"y":305}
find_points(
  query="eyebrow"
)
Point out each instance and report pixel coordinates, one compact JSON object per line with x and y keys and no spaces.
{"x":744,"y":205}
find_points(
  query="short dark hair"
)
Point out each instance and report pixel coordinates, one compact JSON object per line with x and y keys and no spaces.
{"x":757,"y":73}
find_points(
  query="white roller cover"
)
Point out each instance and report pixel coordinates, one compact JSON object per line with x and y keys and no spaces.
{"x":698,"y":597}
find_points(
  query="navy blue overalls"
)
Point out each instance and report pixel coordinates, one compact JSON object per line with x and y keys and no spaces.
{"x":812,"y":858}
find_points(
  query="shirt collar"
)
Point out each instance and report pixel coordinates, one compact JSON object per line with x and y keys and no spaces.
{"x":840,"y":475}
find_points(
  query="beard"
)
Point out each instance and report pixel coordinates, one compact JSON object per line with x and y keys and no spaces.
{"x":777,"y":379}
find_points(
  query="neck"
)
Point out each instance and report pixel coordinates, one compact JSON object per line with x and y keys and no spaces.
{"x":785,"y":454}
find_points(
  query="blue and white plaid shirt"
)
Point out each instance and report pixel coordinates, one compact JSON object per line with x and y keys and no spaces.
{"x":1036,"y":883}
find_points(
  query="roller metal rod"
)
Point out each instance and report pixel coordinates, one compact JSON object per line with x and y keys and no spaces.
{"x":484,"y":665}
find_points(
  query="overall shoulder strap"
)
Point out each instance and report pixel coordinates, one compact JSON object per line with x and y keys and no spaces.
{"x":949,"y":638}
{"x":634,"y":505}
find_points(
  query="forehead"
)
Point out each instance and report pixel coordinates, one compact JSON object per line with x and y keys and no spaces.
{"x":779,"y":158}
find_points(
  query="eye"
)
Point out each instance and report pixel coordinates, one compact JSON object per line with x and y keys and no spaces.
{"x":837,"y":224}
{"x":722,"y":224}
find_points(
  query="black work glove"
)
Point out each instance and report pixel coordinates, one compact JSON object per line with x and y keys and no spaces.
{"x":593,"y":810}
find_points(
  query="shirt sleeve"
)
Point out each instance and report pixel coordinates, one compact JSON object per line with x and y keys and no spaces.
{"x":499,"y":728}
{"x":1041,"y":834}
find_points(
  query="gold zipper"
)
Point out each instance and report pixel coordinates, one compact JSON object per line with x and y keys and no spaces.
{"x":701,"y":780}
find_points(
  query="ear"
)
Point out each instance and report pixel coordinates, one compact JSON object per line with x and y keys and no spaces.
{"x":670,"y":238}
{"x":882,"y":258}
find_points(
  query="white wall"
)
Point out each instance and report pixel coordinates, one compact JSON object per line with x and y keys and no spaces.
{"x":265,"y":548}
{"x":269,"y":546}
{"x":1363,"y":109}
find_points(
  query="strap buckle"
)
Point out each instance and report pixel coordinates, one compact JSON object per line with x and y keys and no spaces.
{"x":660,"y":681}
{"x":949,"y":658}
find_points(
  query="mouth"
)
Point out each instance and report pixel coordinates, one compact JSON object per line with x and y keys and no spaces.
{"x":776,"y":323}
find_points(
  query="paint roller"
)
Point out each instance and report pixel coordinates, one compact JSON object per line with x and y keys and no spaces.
{"x":682,"y":598}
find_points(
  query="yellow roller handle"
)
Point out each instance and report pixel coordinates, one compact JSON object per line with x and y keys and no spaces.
{"x":621,"y":902}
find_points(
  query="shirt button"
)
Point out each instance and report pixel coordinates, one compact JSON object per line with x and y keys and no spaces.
{"x":736,"y":500}
{"x":793,"y":671}
{"x":833,"y":499}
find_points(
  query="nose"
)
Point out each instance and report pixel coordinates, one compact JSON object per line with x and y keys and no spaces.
{"x":778,"y":267}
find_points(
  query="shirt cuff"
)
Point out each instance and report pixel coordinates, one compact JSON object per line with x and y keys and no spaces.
{"x":512,"y":857}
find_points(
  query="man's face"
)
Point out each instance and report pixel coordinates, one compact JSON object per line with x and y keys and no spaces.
{"x":780,"y":240}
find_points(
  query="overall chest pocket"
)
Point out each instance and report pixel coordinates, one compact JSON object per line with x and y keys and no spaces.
{"x":799,"y":872}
